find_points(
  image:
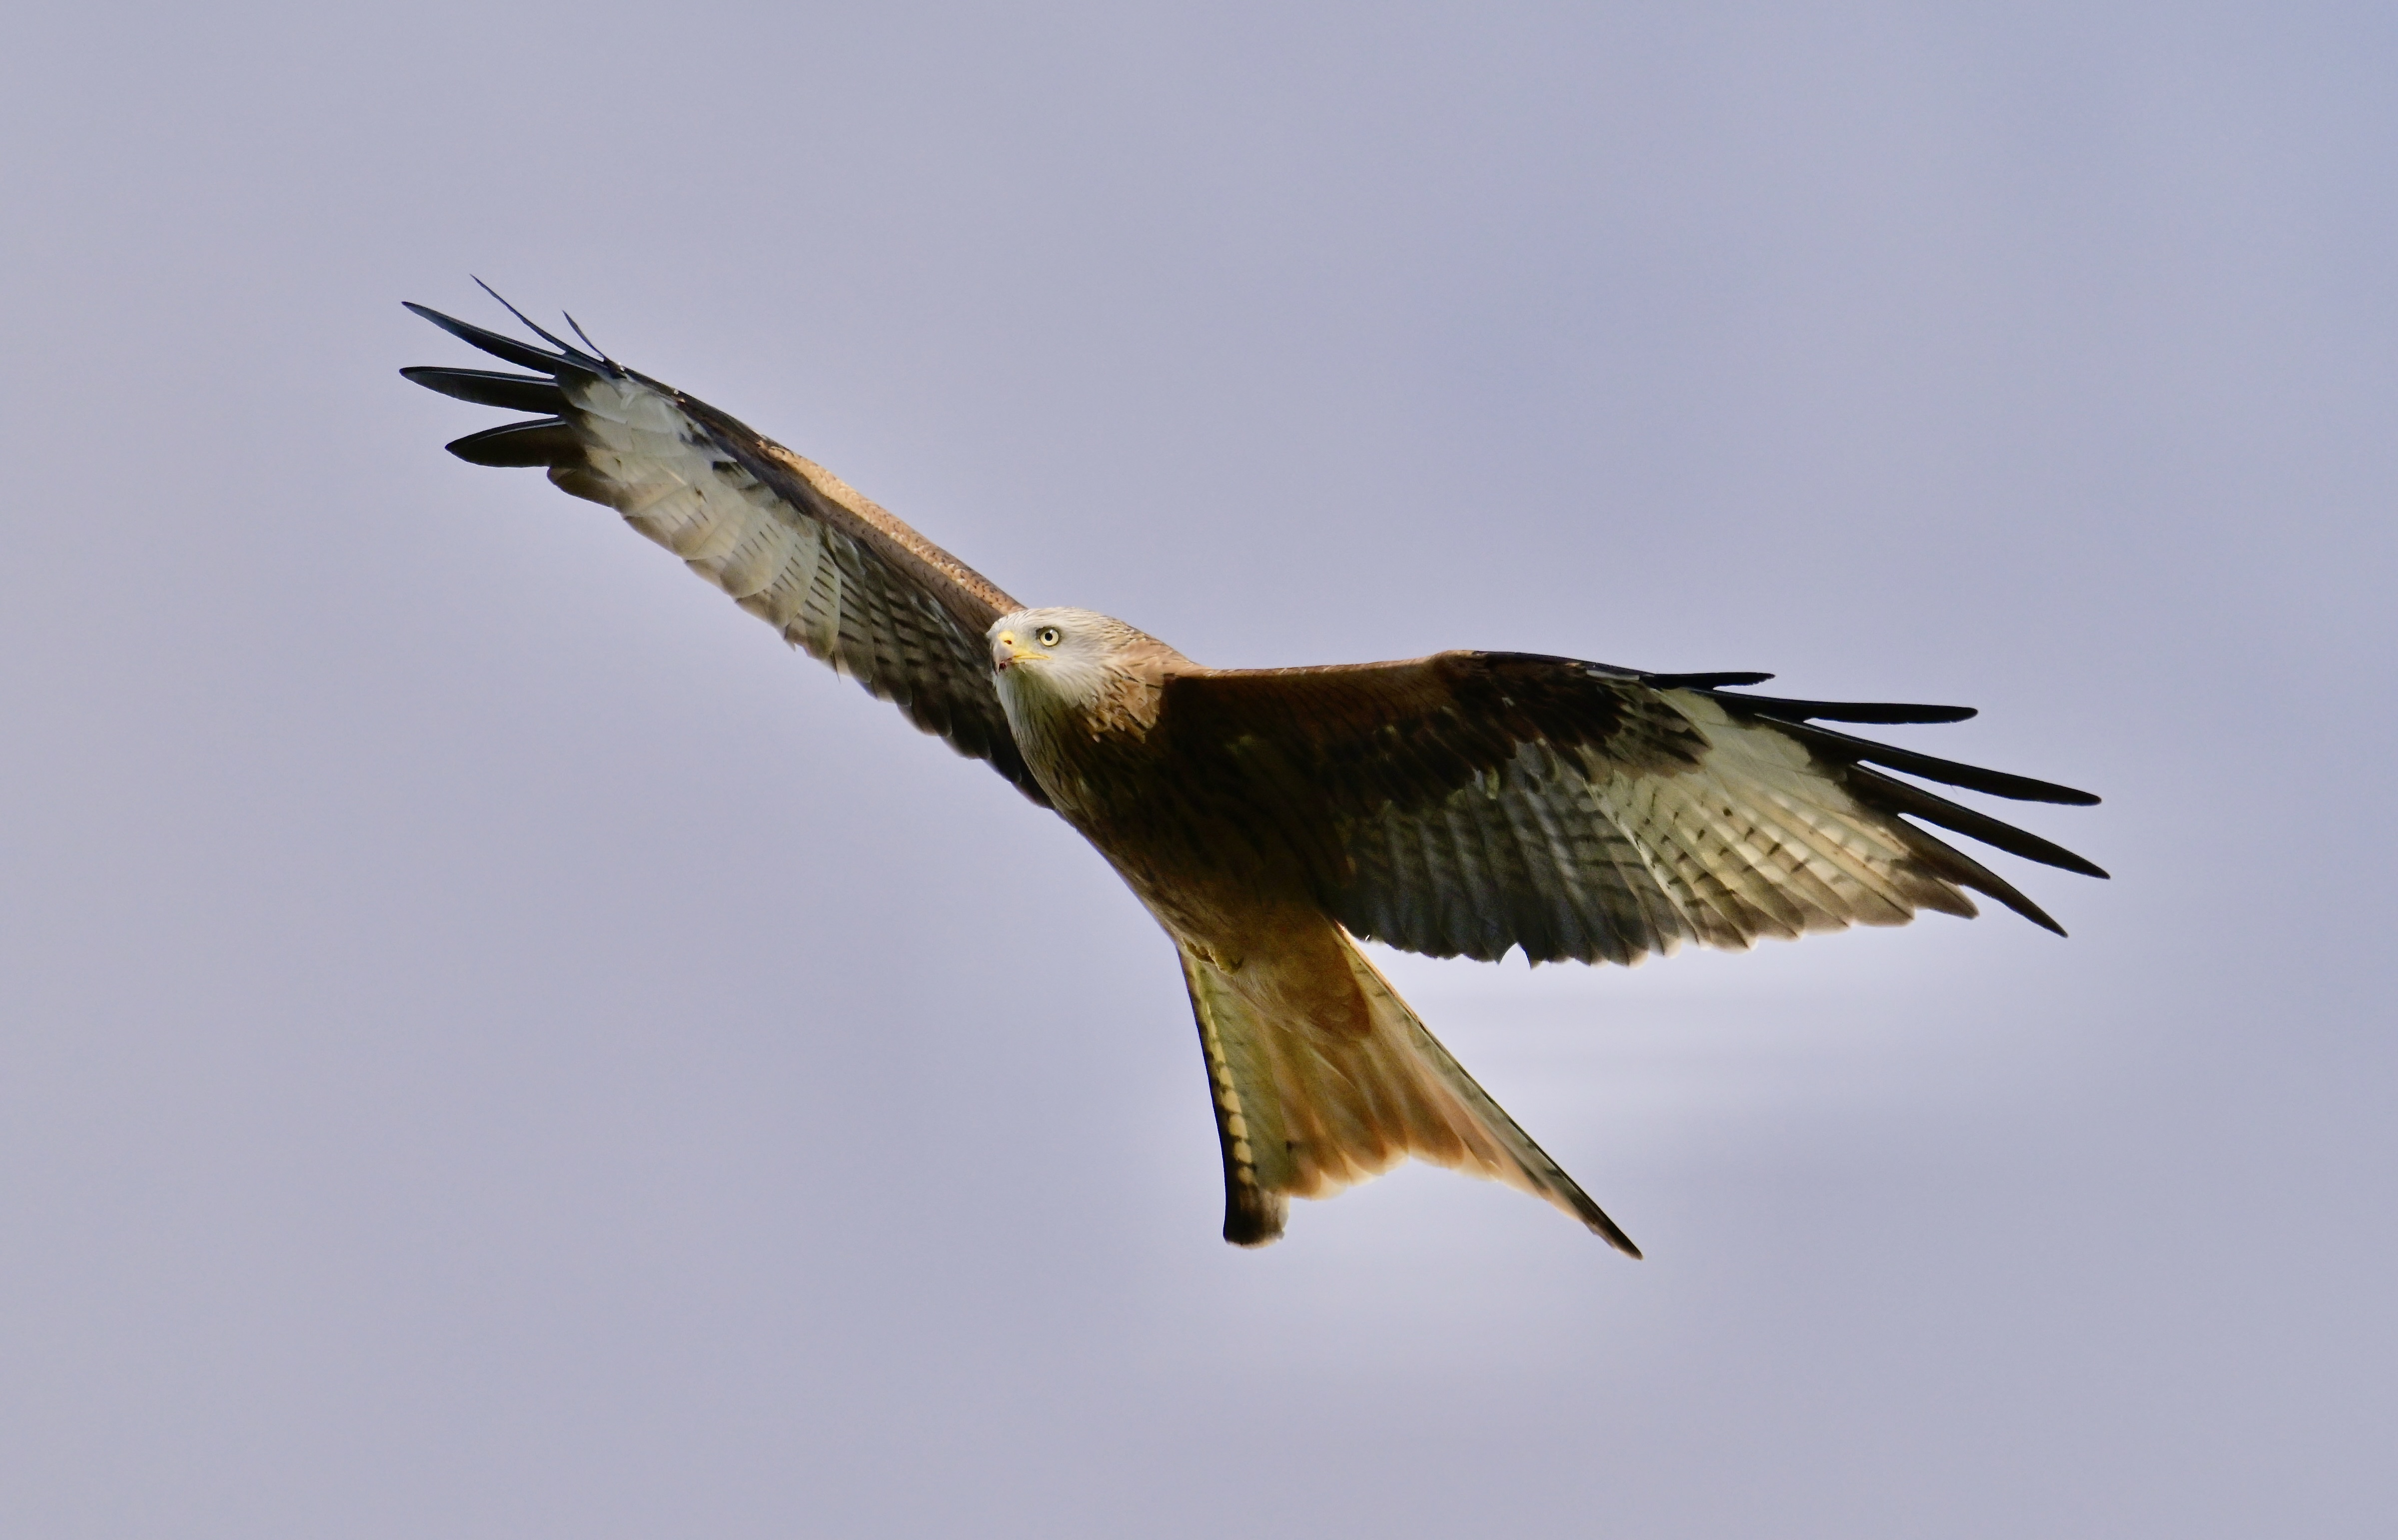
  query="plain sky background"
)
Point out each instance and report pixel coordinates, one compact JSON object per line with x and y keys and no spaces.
{"x":493,"y":1044}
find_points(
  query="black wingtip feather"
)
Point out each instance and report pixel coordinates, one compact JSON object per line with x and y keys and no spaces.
{"x":544,"y":441}
{"x":553,"y":338}
{"x":1701,"y":681}
{"x":1945,"y":859}
{"x":2022,"y":905}
{"x":534,"y":393}
{"x":1883,"y":713}
{"x":522,"y":354}
{"x":1849,"y":749}
{"x":576,"y":327}
{"x":1891,"y":796}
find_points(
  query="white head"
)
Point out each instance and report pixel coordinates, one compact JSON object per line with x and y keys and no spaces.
{"x":1059,"y":654}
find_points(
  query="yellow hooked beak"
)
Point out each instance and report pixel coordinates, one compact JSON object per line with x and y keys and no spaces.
{"x":1009,"y":652}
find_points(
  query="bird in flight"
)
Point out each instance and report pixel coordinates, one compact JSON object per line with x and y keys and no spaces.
{"x":1458,"y":805}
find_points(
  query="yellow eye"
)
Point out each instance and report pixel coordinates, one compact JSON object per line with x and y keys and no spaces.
{"x":1048,"y":635}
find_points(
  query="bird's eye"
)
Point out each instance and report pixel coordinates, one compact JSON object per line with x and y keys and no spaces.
{"x":1048,"y":635}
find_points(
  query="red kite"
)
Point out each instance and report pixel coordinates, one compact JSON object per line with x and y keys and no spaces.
{"x":1461,"y":804}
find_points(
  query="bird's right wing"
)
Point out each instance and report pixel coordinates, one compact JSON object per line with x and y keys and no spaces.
{"x":787,"y":538}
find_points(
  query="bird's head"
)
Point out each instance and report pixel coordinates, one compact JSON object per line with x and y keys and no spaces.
{"x":1056,"y":652}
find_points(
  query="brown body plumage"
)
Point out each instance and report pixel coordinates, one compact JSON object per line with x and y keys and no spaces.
{"x":1321,"y":1075}
{"x":1467,"y":803}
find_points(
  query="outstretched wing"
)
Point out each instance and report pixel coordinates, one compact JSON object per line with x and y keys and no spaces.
{"x":782,"y":536}
{"x":1470,"y":802}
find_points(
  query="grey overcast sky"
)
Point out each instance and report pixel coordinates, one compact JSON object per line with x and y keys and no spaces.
{"x":496,"y":1045}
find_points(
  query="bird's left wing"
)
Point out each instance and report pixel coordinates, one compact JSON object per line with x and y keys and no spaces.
{"x":1470,"y":802}
{"x":787,"y":538}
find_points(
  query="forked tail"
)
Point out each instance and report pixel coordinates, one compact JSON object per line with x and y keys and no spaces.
{"x":1304,"y":1112}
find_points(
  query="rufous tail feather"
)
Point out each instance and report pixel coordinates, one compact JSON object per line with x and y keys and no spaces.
{"x":1303,"y":1112}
